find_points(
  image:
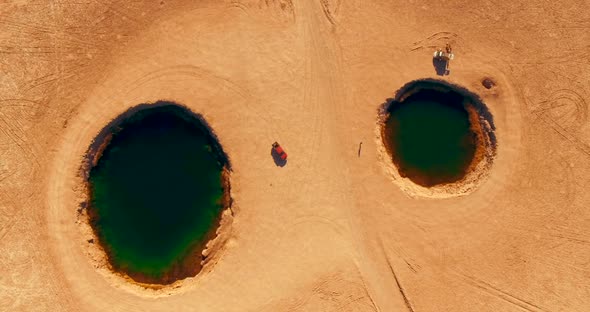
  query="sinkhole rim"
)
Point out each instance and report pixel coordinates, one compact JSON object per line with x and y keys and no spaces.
{"x":218,"y":233}
{"x":482,"y":124}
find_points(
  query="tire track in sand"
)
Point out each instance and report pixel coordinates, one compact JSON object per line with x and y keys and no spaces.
{"x":565,"y":111}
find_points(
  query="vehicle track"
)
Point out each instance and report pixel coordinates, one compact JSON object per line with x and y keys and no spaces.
{"x":500,"y":294}
{"x":438,"y":40}
{"x":565,"y":108}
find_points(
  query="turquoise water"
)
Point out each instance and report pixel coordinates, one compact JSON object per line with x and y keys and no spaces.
{"x":429,"y":137}
{"x":156,"y":195}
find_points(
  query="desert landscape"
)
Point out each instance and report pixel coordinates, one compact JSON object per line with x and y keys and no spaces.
{"x":336,"y":228}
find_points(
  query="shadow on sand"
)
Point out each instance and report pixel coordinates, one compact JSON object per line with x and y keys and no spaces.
{"x":277,"y":158}
{"x":441,"y":66}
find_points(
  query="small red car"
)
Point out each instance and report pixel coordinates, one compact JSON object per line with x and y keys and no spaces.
{"x":279,"y":150}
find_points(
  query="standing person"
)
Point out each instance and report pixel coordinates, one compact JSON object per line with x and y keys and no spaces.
{"x":360,"y":145}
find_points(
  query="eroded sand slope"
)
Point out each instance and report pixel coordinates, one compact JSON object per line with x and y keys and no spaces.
{"x":330,"y":231}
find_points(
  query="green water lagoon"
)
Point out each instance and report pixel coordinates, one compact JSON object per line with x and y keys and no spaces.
{"x":429,"y":136}
{"x":157,"y":192}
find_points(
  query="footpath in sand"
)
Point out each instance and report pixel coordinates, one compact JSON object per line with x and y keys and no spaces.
{"x":330,"y":231}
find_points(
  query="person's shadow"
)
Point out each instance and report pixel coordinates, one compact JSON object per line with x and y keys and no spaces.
{"x":277,"y":158}
{"x":441,"y":66}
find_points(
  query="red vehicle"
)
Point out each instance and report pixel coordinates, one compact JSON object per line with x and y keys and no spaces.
{"x":279,"y":150}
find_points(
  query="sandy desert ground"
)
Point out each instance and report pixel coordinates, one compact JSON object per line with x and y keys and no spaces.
{"x":330,"y":231}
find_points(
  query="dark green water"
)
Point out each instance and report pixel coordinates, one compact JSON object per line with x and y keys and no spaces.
{"x":429,"y":137}
{"x":156,"y":195}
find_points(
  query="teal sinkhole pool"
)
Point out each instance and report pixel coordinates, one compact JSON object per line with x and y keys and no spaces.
{"x":156,"y":193}
{"x":430,"y":136}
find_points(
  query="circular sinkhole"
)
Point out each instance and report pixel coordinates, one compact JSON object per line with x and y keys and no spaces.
{"x":438,"y":136}
{"x":488,"y":83}
{"x":158,"y":182}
